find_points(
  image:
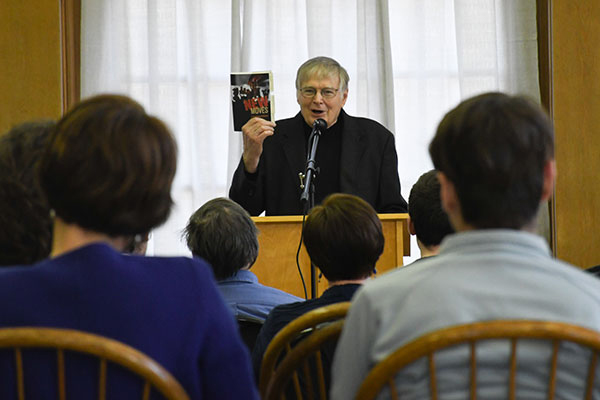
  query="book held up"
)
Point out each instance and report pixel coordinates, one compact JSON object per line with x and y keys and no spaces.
{"x":251,"y":97}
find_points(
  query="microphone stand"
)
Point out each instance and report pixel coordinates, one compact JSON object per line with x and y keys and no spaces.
{"x":308,"y":193}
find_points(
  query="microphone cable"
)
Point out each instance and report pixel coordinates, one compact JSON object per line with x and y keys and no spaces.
{"x":298,"y":253}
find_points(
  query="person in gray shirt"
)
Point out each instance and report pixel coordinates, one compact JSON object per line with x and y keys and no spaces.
{"x":494,"y":154}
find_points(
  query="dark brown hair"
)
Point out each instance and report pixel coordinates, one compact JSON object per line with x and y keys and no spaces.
{"x":425,"y":209}
{"x":493,"y":148}
{"x":25,"y":223}
{"x":109,"y":167}
{"x":343,"y":237}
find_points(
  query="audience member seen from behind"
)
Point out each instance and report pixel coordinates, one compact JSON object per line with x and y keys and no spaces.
{"x":344,"y":239}
{"x":223,"y":233}
{"x":495,"y":157}
{"x":428,"y":221}
{"x":25,"y":223}
{"x":107,"y":173}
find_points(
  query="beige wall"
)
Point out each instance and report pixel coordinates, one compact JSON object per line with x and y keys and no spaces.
{"x":30,"y":61}
{"x":576,"y":70}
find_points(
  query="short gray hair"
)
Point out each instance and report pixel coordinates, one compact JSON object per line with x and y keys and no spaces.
{"x":321,"y":67}
{"x":223,"y":233}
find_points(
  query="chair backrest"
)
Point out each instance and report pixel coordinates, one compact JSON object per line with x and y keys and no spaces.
{"x":106,"y":350}
{"x":249,"y":329}
{"x":472,"y":335}
{"x":287,"y":337}
{"x":306,"y":360}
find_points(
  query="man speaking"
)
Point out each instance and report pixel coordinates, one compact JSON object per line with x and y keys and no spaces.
{"x":355,"y":155}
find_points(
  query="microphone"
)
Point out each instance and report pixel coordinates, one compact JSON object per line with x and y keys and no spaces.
{"x":311,"y":170}
{"x":320,"y":124}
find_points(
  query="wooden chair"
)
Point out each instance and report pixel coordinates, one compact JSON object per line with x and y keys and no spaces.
{"x":291,"y":334}
{"x":306,"y":357}
{"x":106,"y":350}
{"x":425,"y":347}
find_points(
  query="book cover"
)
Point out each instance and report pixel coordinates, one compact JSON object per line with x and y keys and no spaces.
{"x":251,"y":97}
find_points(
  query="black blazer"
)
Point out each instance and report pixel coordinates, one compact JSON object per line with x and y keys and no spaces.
{"x":369,"y":169}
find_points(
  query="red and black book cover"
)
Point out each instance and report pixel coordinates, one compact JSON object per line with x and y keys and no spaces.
{"x":251,"y":97}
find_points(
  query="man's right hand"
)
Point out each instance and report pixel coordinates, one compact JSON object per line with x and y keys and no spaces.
{"x":255,"y":132}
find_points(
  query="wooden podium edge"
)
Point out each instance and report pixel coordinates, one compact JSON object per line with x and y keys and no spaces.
{"x":402,"y":235}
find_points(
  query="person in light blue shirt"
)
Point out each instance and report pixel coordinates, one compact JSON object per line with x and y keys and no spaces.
{"x":223,"y":233}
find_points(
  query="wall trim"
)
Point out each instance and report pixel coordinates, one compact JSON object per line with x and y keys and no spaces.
{"x":70,"y":33}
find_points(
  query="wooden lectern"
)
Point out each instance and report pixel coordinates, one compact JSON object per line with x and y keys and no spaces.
{"x":279,"y":239}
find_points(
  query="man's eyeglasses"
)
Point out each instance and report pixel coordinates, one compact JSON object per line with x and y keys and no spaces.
{"x":326,"y":93}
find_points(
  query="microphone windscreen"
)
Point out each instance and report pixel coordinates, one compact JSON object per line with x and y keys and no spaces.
{"x":320,"y":124}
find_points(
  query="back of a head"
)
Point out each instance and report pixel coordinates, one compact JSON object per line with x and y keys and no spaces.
{"x":25,"y":223}
{"x":494,"y":148}
{"x":343,"y":237}
{"x":109,"y":166}
{"x":223,"y":233}
{"x":425,"y":209}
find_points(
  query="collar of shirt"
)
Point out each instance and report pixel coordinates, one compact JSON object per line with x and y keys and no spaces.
{"x":490,"y":240}
{"x":243,"y":275}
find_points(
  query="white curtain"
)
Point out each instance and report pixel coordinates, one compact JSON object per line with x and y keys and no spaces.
{"x":409,"y":62}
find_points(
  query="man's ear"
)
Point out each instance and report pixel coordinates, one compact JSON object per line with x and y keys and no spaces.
{"x":549,"y":178}
{"x":448,"y":194}
{"x":344,"y":97}
{"x":411,"y":226}
{"x":451,"y":204}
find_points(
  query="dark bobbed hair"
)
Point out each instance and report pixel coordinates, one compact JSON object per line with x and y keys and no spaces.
{"x":25,"y":223}
{"x":223,"y":233}
{"x":109,"y":167}
{"x":425,"y":209}
{"x":493,"y":148}
{"x":343,"y":237}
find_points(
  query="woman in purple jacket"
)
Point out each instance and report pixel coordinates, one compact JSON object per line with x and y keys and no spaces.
{"x":107,"y":171}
